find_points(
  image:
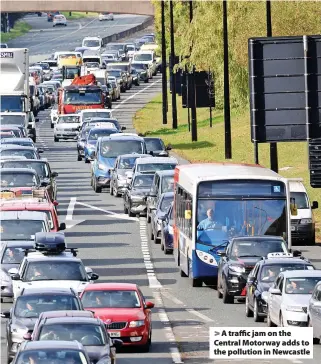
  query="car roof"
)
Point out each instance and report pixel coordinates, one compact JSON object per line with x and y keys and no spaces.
{"x":31,"y":204}
{"x":17,"y":244}
{"x":111,"y":287}
{"x":51,"y":344}
{"x":64,"y":256}
{"x":134,"y":155}
{"x":259,"y":238}
{"x":66,"y":313}
{"x":23,"y":215}
{"x":17,"y":147}
{"x":168,"y":172}
{"x":17,"y":170}
{"x":301,"y":273}
{"x":70,"y":320}
{"x":45,"y":291}
{"x":278,"y":261}
{"x":161,"y":160}
{"x":153,"y":138}
{"x":73,"y":115}
{"x":25,"y":160}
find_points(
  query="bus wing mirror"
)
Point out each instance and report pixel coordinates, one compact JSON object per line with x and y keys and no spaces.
{"x":315,"y":205}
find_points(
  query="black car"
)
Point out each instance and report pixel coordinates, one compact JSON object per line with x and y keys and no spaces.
{"x":167,"y":231}
{"x":42,"y":167}
{"x":120,"y":77}
{"x":90,"y":332}
{"x":11,"y":255}
{"x":51,"y":352}
{"x":135,"y":76}
{"x":141,"y":69}
{"x":135,"y":193}
{"x":158,"y":214}
{"x":27,"y":308}
{"x":107,"y":96}
{"x":240,"y":257}
{"x":156,"y":147}
{"x":262,"y":278}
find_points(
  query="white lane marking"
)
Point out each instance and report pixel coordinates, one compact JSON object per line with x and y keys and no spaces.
{"x":172,"y":298}
{"x":71,"y":207}
{"x":198,"y":314}
{"x":136,"y":93}
{"x":109,"y":213}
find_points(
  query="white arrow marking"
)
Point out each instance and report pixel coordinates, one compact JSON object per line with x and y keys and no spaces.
{"x":109,"y":213}
{"x":73,"y":223}
{"x":71,"y":207}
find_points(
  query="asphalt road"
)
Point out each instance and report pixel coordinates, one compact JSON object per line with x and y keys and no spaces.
{"x":119,"y":250}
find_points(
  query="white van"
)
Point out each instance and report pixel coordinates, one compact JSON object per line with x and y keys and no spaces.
{"x":148,"y":58}
{"x":92,"y":43}
{"x":302,"y":224}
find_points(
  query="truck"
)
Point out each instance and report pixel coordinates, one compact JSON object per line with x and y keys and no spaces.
{"x":83,"y":93}
{"x":69,"y":73}
{"x":14,"y":85}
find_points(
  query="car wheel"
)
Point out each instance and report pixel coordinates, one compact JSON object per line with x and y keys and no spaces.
{"x":146,"y":81}
{"x":158,"y":238}
{"x":145,"y":348}
{"x":125,"y":209}
{"x":227,"y":298}
{"x":168,"y":251}
{"x":148,"y":218}
{"x":269,"y":322}
{"x":219,"y":287}
{"x":86,"y":160}
{"x":116,"y":193}
{"x":111,"y":190}
{"x":79,"y":158}
{"x":52,"y":125}
{"x":281,"y":323}
{"x":96,"y":188}
{"x":130,"y":213}
{"x":257,"y":317}
{"x":311,"y":241}
{"x":248,"y":311}
{"x":162,"y":243}
{"x":316,"y":340}
{"x":56,"y":139}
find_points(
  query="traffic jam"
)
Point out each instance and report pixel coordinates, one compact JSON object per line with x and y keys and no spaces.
{"x":231,"y":226}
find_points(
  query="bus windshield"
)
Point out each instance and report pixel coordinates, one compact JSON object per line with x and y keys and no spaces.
{"x":78,"y":98}
{"x":240,"y":208}
{"x":13,"y":103}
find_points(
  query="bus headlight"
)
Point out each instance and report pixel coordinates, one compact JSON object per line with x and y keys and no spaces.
{"x":206,"y":258}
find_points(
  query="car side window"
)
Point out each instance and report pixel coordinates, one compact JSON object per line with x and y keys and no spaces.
{"x":254,"y":271}
{"x":142,"y":296}
{"x":157,"y":184}
{"x":276,"y":283}
{"x":281,"y":282}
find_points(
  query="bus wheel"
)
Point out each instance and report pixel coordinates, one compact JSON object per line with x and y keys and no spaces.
{"x":196,"y":282}
{"x":182,"y":273}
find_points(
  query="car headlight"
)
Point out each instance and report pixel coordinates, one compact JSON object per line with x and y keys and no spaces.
{"x":237,"y":268}
{"x":306,"y":221}
{"x":294,"y":308}
{"x":102,"y":167}
{"x":137,"y":197}
{"x":206,"y":258}
{"x":138,"y":323}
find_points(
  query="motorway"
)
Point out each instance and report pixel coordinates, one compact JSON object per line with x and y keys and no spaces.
{"x":119,"y":250}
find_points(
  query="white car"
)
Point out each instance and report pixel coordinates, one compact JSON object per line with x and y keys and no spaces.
{"x":131,"y":49}
{"x":54,"y":116}
{"x":288,"y":298}
{"x":48,"y":268}
{"x":67,"y":127}
{"x":314,"y":311}
{"x":94,"y":113}
{"x":105,"y":16}
{"x":59,"y":20}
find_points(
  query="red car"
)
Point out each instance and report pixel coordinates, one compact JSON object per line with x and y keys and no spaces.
{"x":123,"y":308}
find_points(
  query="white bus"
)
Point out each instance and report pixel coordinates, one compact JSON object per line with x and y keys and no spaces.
{"x":218,"y":201}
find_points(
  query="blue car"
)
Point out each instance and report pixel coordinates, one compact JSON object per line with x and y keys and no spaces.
{"x":167,"y":232}
{"x":92,"y":138}
{"x":106,"y":153}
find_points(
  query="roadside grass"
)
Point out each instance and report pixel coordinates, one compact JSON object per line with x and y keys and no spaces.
{"x":78,"y":15}
{"x":210,"y":147}
{"x":20,"y":28}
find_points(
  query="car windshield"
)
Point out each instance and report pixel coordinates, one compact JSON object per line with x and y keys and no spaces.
{"x":302,"y":285}
{"x":114,"y":148}
{"x":168,"y":184}
{"x":95,"y":134}
{"x":127,"y":162}
{"x":270,"y":272}
{"x":24,"y":143}
{"x":68,"y":119}
{"x":143,"y":57}
{"x":154,"y":144}
{"x":86,"y":334}
{"x":96,"y":114}
{"x":28,"y":154}
{"x":143,"y":181}
{"x":20,"y":229}
{"x":14,"y":255}
{"x":110,"y":299}
{"x":166,"y":202}
{"x":41,"y":168}
{"x":301,"y":200}
{"x":91,"y":43}
{"x":256,"y":248}
{"x":33,"y":305}
{"x":55,"y":270}
{"x":12,"y":120}
{"x":51,"y":356}
{"x":114,"y":73}
{"x":153,"y":167}
{"x":44,"y":66}
{"x":12,"y":179}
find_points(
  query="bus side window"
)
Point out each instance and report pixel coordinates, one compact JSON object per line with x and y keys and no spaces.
{"x":188,"y":222}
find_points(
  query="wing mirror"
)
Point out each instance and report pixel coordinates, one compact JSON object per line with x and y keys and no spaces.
{"x":117,"y":343}
{"x":123,"y":128}
{"x":149,"y":305}
{"x":94,"y":277}
{"x":221,"y":253}
{"x":297,"y":253}
{"x":169,"y":147}
{"x":275,"y":291}
{"x":27,"y":336}
{"x":54,"y":174}
{"x":62,"y":226}
{"x":13,"y":271}
{"x":44,"y":184}
{"x":5,"y":314}
{"x":251,"y":280}
{"x":315,"y":205}
{"x":55,"y":203}
{"x":36,"y":120}
{"x":92,"y":155}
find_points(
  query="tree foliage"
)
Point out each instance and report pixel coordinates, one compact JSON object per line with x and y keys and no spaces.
{"x":202,"y":39}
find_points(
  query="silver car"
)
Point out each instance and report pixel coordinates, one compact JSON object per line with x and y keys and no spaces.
{"x":314,"y":311}
{"x":67,"y":127}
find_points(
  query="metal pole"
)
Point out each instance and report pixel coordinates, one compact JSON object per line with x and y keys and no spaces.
{"x":192,"y":89}
{"x":174,"y":106}
{"x":273,"y":146}
{"x":227,"y":111}
{"x":164,"y":75}
{"x":210,"y":95}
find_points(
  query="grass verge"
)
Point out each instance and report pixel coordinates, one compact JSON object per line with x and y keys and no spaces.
{"x":78,"y":15}
{"x":293,"y":157}
{"x":20,"y":28}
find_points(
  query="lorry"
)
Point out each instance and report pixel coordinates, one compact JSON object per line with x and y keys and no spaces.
{"x":69,"y":73}
{"x":83,"y":93}
{"x":14,"y":85}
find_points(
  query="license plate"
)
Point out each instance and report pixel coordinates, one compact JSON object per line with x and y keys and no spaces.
{"x":114,"y":334}
{"x":292,"y":228}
